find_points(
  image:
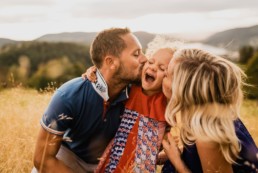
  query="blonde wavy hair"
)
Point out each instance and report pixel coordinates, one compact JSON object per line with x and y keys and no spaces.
{"x":207,"y":91}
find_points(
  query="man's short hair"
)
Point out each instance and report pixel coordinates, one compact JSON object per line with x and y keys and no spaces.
{"x":108,"y":42}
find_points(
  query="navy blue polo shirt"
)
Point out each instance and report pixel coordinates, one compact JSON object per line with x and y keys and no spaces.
{"x":79,"y":113}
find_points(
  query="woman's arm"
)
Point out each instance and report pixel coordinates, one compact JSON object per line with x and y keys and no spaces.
{"x":212,"y":159}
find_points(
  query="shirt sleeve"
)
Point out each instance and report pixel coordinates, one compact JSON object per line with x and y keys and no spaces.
{"x":57,"y":117}
{"x":249,"y":151}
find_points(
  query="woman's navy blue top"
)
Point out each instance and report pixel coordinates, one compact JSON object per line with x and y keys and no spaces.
{"x":247,"y":163}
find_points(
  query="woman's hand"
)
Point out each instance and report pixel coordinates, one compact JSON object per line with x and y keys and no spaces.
{"x":171,"y":149}
{"x":174,"y":154}
{"x":90,"y":74}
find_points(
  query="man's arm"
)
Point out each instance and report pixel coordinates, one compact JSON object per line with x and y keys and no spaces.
{"x":46,"y":149}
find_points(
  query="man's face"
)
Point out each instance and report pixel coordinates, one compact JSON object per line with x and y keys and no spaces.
{"x":131,"y":60}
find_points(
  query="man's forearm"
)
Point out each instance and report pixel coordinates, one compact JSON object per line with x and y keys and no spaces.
{"x":53,"y":165}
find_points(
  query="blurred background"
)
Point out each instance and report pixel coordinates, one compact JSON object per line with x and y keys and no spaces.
{"x":44,"y":43}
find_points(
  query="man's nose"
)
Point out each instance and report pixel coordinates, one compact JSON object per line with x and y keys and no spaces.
{"x":142,"y":59}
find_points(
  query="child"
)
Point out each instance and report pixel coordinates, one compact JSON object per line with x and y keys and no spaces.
{"x":137,"y":142}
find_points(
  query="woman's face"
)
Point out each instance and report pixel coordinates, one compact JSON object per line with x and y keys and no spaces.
{"x":167,"y":81}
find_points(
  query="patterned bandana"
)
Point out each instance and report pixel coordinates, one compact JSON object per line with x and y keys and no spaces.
{"x":100,"y":86}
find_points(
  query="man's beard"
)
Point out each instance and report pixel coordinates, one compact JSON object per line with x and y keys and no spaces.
{"x":125,"y":78}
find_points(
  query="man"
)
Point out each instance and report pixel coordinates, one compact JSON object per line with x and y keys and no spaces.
{"x":83,"y":117}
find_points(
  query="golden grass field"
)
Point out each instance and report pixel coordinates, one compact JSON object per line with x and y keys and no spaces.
{"x":21,"y":110}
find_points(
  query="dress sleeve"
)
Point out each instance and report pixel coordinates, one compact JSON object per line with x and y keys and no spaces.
{"x":249,"y":151}
{"x":58,"y":115}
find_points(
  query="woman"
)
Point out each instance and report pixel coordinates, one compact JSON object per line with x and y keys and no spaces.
{"x":206,"y":90}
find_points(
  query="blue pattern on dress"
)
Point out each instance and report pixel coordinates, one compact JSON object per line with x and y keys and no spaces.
{"x":127,"y":123}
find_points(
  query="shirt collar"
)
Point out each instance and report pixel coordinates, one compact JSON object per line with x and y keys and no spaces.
{"x":101,"y":87}
{"x":122,"y":96}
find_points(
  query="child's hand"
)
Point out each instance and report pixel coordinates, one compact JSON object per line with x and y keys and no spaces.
{"x":162,"y":158}
{"x":90,"y":74}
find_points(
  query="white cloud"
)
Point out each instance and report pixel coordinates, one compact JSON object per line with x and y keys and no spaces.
{"x":132,"y":9}
{"x":29,"y":19}
{"x":11,"y":3}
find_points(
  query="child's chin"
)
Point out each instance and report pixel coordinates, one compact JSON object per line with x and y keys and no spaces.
{"x":146,"y":85}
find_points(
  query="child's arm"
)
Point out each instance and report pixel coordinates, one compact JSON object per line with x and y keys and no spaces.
{"x":162,"y":158}
{"x":90,"y":74}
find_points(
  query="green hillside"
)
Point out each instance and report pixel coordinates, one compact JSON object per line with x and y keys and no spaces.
{"x":233,"y":39}
{"x":35,"y":64}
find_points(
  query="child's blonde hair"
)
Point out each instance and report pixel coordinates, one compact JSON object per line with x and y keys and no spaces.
{"x":207,"y":91}
{"x":162,"y":42}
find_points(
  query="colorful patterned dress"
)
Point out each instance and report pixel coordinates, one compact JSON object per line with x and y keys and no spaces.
{"x":136,"y":144}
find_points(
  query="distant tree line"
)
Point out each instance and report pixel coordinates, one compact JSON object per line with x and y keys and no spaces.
{"x":39,"y":64}
{"x":36,"y":64}
{"x":248,"y":58}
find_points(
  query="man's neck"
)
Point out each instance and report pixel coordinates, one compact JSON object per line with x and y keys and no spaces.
{"x":115,"y":86}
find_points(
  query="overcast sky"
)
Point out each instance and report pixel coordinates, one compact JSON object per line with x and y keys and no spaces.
{"x":29,"y":19}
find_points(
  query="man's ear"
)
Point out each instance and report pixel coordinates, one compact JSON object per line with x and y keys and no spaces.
{"x":110,"y":61}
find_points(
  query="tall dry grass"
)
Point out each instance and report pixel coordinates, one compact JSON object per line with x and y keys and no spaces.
{"x":20,"y":112}
{"x":249,"y":116}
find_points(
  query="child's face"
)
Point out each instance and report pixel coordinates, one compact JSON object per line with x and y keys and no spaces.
{"x":154,"y":70}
